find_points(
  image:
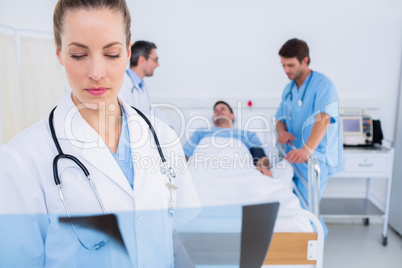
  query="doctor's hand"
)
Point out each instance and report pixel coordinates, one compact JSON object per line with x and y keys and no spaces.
{"x":285,"y":137}
{"x":298,"y":156}
{"x":265,"y":171}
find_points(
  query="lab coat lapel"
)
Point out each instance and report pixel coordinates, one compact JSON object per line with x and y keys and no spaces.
{"x":140,"y":143}
{"x":101,"y":158}
{"x":147,"y":96}
{"x":134,"y":94}
{"x":86,"y":143}
{"x":139,"y":100}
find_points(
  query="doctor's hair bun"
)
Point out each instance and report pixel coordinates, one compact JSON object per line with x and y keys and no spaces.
{"x":63,"y":6}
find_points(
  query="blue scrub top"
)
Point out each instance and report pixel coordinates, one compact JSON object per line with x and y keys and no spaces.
{"x":123,"y":153}
{"x":320,"y":97}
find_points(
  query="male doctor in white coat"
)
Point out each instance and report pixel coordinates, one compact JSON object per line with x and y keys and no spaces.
{"x":143,"y":62}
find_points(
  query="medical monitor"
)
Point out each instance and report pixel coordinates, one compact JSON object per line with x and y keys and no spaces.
{"x":351,"y":125}
{"x":357,"y":127}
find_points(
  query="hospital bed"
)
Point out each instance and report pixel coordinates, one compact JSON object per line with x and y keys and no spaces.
{"x":307,"y":245}
{"x":261,"y":120}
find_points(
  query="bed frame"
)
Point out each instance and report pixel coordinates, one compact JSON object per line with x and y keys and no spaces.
{"x":297,"y":248}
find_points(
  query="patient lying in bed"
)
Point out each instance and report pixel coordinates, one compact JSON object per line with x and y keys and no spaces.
{"x":223,"y":127}
{"x":223,"y":171}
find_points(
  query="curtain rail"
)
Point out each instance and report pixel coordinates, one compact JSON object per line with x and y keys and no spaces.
{"x":25,"y":30}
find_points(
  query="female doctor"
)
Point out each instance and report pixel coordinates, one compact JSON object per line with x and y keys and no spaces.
{"x":107,"y":161}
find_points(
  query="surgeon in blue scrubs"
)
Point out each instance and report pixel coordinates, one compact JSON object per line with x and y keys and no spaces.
{"x":308,"y":117}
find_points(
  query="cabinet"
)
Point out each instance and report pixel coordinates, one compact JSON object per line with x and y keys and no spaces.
{"x":363,"y":163}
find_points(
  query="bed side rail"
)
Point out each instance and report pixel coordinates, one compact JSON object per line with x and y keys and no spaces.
{"x":312,"y":183}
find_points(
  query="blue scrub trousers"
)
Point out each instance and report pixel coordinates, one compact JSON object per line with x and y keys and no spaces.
{"x":304,"y":191}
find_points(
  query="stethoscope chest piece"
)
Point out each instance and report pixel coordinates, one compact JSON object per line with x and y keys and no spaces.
{"x":290,"y":95}
{"x":300,"y":103}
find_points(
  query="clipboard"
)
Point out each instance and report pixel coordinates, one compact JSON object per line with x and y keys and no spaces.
{"x":258,"y":223}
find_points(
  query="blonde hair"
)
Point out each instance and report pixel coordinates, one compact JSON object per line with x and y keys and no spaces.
{"x":63,"y":6}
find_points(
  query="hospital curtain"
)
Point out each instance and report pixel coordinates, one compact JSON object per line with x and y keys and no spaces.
{"x":41,"y":78}
{"x":10,"y":109}
{"x":32,"y":82}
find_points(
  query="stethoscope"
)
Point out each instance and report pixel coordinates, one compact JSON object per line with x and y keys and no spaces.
{"x":289,"y":96}
{"x":135,"y":85}
{"x":165,"y":169}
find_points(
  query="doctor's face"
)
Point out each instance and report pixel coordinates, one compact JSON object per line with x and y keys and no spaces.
{"x":292,"y":67}
{"x":94,"y":54}
{"x":151,"y":63}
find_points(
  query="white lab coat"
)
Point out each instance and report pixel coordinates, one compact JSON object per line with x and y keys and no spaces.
{"x":140,"y":98}
{"x":30,"y":234}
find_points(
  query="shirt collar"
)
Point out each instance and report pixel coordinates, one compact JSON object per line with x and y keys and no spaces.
{"x":124,"y":140}
{"x":134,"y":76}
{"x":304,"y":86}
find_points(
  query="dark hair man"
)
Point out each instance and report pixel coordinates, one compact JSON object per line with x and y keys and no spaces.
{"x":143,"y":62}
{"x":308,"y":116}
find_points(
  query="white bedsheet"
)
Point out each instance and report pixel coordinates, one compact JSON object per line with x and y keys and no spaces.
{"x":223,"y":174}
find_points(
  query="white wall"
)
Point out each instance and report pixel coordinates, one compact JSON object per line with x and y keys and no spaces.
{"x":228,"y":48}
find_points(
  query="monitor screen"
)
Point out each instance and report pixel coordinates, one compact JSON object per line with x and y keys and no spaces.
{"x":351,"y":125}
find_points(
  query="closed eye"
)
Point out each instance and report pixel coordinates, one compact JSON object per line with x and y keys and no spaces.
{"x":77,"y":57}
{"x":114,"y":56}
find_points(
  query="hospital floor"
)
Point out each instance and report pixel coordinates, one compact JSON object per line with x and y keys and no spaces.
{"x":356,"y":245}
{"x":348,"y":245}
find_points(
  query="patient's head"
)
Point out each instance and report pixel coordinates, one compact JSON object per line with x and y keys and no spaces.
{"x":223,"y":115}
